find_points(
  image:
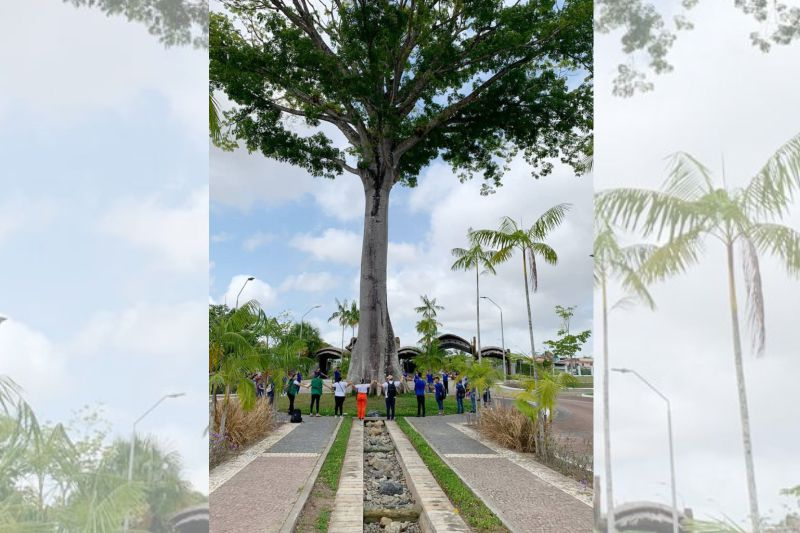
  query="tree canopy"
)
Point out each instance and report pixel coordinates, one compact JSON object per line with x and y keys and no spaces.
{"x":405,"y":82}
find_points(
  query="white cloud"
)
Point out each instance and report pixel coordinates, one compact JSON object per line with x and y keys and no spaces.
{"x":310,"y":282}
{"x":32,"y":361}
{"x":335,"y":245}
{"x":222,"y":236}
{"x":342,"y":198}
{"x":256,"y":289}
{"x":257,"y":240}
{"x":177,"y":234}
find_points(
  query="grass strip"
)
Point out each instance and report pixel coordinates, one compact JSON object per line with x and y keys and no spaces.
{"x":323,"y":519}
{"x":405,"y":404}
{"x":479,"y":517}
{"x":332,"y":467}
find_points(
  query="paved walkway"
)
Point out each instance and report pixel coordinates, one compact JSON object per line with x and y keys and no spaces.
{"x":524,"y":498}
{"x":259,"y":492}
{"x":348,"y":508}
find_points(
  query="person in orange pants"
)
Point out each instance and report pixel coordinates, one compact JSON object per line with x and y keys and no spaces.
{"x":361,"y":399}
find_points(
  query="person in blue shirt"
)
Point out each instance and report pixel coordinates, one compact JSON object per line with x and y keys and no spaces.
{"x":337,"y":375}
{"x":429,"y":379}
{"x":461,"y":392}
{"x":446,"y":383}
{"x":419,"y":390}
{"x":439,"y":389}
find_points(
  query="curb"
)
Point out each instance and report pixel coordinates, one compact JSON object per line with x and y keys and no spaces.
{"x":291,"y":520}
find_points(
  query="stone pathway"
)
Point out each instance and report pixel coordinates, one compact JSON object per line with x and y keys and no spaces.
{"x":261,"y":490}
{"x":348,"y":508}
{"x":524,"y":501}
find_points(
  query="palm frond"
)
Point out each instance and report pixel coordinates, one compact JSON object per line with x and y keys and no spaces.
{"x":651,"y":212}
{"x":674,"y":257}
{"x":772,"y":189}
{"x":548,"y":221}
{"x":755,"y":296}
{"x":780,"y":241}
{"x":687,"y":178}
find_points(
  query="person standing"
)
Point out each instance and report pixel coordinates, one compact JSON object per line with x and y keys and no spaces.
{"x":337,"y":375}
{"x":361,"y":399}
{"x":270,"y":388}
{"x":446,"y":383}
{"x":339,"y":394}
{"x":439,"y":394}
{"x":429,"y":379}
{"x":292,"y":387}
{"x":316,"y":393}
{"x":419,"y":390}
{"x":390,"y":393}
{"x":473,"y":398}
{"x":460,"y":394}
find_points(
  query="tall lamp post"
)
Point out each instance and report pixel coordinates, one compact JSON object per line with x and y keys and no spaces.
{"x":502,"y":335}
{"x":304,"y":317}
{"x":671,"y":451}
{"x":248,"y":280}
{"x":133,"y":443}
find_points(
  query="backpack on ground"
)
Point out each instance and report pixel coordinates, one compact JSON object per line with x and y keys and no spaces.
{"x":391,"y":390}
{"x":297,"y":416}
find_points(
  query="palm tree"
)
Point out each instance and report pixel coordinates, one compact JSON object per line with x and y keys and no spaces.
{"x":512,"y":236}
{"x":474,"y":257}
{"x":540,"y":399}
{"x":429,"y":307}
{"x":342,"y":314}
{"x":689,"y":209}
{"x":353,"y":316}
{"x":612,"y":261}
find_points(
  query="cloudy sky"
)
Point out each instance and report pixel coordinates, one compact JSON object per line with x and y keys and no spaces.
{"x":301,"y":238}
{"x":103,"y":222}
{"x":724,"y":99}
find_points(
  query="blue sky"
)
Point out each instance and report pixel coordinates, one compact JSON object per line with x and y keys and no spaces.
{"x":103,"y":222}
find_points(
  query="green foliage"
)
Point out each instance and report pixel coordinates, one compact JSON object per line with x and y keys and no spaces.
{"x":468,"y":505}
{"x":332,"y":467}
{"x":471,"y":81}
{"x":539,"y":399}
{"x":567,"y":344}
{"x":54,"y":478}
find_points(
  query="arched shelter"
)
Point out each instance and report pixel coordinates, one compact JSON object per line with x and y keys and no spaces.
{"x":325,"y":355}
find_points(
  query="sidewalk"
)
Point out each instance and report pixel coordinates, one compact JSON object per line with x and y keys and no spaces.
{"x":260,"y":495}
{"x":524,"y":500}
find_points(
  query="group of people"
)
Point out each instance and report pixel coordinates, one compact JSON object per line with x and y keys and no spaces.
{"x":437,"y":384}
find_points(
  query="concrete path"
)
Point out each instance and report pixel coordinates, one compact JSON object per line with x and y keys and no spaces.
{"x":524,"y":501}
{"x":261,"y":494}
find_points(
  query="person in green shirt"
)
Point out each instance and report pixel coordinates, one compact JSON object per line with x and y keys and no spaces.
{"x":316,"y":393}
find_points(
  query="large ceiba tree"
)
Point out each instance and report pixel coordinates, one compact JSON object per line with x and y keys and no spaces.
{"x":381,"y":88}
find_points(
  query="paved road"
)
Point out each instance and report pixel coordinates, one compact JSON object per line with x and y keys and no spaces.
{"x":261,"y":495}
{"x":524,"y":501}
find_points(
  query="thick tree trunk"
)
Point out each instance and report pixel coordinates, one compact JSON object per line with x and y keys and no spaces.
{"x":740,"y":385}
{"x":606,"y":429}
{"x":375,"y":353}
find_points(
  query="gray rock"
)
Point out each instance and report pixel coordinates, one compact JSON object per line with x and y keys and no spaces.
{"x":390,"y":487}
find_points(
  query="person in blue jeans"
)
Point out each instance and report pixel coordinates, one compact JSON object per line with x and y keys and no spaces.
{"x":429,"y":379}
{"x":473,"y":398}
{"x":419,"y":390}
{"x":439,"y":391}
{"x":461,"y":392}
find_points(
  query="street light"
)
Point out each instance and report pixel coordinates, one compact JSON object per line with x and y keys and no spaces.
{"x":502,"y":335}
{"x":303,"y":318}
{"x":249,"y":279}
{"x":133,"y":442}
{"x":671,"y":452}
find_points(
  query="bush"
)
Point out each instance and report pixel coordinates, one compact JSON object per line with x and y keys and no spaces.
{"x":244,"y":427}
{"x":508,"y":427}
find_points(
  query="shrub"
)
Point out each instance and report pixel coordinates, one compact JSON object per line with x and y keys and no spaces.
{"x":508,"y":427}
{"x":244,"y":427}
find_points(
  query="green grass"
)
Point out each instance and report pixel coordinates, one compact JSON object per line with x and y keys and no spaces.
{"x":332,"y":467}
{"x":405,"y":404}
{"x":323,"y":519}
{"x":471,"y":508}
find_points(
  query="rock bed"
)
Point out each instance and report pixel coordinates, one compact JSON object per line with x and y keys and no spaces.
{"x":389,"y":506}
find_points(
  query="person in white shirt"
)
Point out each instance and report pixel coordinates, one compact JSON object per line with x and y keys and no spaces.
{"x":339,"y":394}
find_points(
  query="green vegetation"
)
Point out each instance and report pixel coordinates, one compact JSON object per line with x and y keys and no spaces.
{"x":67,"y":478}
{"x":471,"y":508}
{"x":323,"y":518}
{"x":332,"y":467}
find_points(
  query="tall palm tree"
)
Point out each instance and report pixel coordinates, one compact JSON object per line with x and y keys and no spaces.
{"x":690,"y":208}
{"x":353,"y":316}
{"x":531,"y":243}
{"x":615,"y":262}
{"x":474,"y":257}
{"x":341,"y":315}
{"x":429,"y":307}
